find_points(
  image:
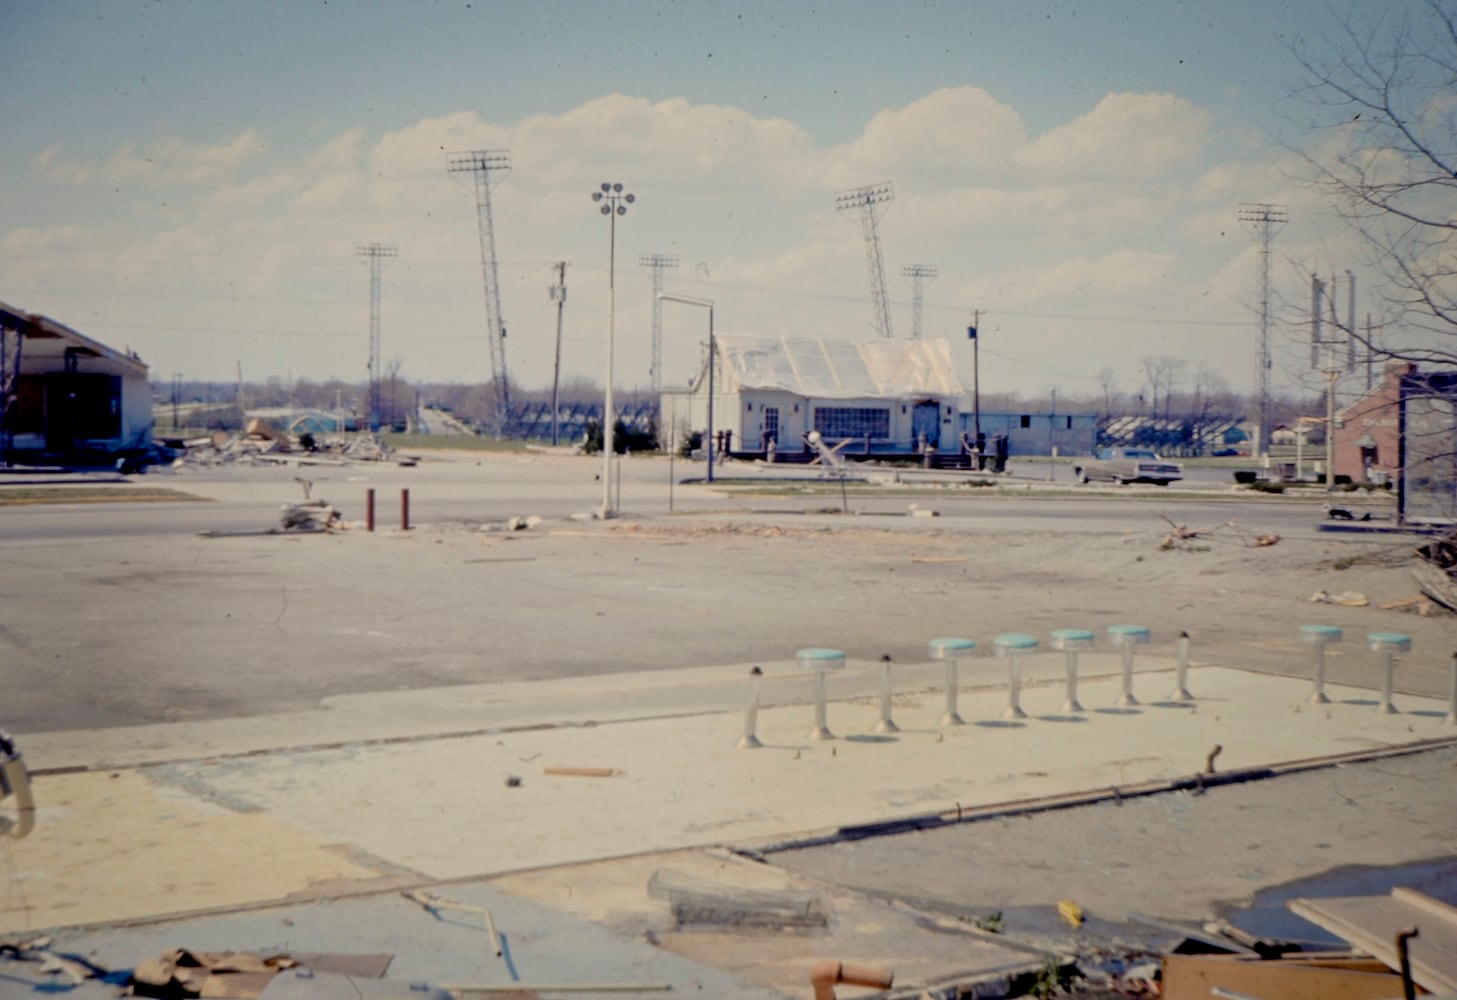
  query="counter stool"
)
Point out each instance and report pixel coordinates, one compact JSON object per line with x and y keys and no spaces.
{"x":820,"y":661}
{"x":951,"y":650}
{"x":1009,"y":644}
{"x":1319,"y":636}
{"x":1071,"y":640}
{"x":1388,"y":644}
{"x":1126,"y":637}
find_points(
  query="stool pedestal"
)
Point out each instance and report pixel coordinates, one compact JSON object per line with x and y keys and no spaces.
{"x":1009,"y":644}
{"x":1071,"y":641}
{"x":951,"y":650}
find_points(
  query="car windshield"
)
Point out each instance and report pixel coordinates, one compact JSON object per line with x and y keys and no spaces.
{"x":1138,"y":453}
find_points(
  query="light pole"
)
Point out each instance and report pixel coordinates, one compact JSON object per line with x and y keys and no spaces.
{"x":614,"y":203}
{"x":707,"y":304}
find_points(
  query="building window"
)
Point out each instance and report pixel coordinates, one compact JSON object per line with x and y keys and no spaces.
{"x":852,"y":421}
{"x":1026,"y":420}
{"x":1069,"y":423}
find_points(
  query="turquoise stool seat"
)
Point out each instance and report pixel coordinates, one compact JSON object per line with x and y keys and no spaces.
{"x":820,"y":661}
{"x":1126,"y":637}
{"x":1319,"y":636}
{"x":1388,"y":644}
{"x":1009,"y":644}
{"x":951,"y":650}
{"x":1071,"y":641}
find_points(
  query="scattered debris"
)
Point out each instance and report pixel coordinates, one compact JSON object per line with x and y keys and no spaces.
{"x":1181,"y":535}
{"x":1346,"y":599}
{"x":1071,"y":912}
{"x":435,"y":904}
{"x":582,"y":772}
{"x":696,"y":902}
{"x":1421,"y":605}
{"x":1435,"y":570}
{"x":261,"y":443}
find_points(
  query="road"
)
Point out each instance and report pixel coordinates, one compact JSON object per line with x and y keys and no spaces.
{"x":121,"y":613}
{"x":248,"y":498}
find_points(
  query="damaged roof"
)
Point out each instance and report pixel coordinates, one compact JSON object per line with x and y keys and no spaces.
{"x":842,"y":369}
{"x":35,"y":327}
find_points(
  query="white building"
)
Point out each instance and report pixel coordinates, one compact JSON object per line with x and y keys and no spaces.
{"x":75,"y":399}
{"x":885,"y":395}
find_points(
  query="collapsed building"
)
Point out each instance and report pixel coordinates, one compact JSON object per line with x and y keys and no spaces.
{"x":68,"y":398}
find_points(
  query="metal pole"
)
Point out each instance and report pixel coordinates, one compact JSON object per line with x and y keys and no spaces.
{"x":750,"y":739}
{"x":712,"y":358}
{"x":369,"y":510}
{"x":607,"y":420}
{"x":560,"y":291}
{"x":404,"y":510}
{"x":886,"y":723}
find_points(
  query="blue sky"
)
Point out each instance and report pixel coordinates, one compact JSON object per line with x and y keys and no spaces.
{"x":191,"y":179}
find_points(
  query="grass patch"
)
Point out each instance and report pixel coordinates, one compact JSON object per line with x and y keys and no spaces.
{"x":20,"y":495}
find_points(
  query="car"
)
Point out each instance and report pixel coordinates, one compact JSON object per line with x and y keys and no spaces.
{"x":1128,"y":465}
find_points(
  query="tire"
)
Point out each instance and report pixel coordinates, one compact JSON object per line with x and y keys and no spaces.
{"x":1082,"y":476}
{"x":1118,"y":481}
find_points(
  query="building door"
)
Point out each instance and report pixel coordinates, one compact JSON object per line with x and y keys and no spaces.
{"x":80,"y":407}
{"x":770,"y":429}
{"x":926,"y":424}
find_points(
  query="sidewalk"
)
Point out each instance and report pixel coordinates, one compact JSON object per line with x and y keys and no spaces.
{"x":372,"y":794}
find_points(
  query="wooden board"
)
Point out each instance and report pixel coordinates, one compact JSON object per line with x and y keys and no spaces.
{"x":1295,"y":977}
{"x":1372,"y":922}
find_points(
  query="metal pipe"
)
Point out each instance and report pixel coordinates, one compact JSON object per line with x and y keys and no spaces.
{"x":1014,"y":689}
{"x":886,"y":723}
{"x":750,"y":740}
{"x":953,"y":690}
{"x":369,"y":510}
{"x":822,"y":728}
{"x":1181,"y":689}
{"x":1387,"y":706}
{"x":404,"y":510}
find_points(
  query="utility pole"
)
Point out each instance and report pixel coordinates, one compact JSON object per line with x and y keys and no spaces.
{"x":917,"y":273}
{"x":1333,"y":366}
{"x":481,"y":164}
{"x":974,"y":332}
{"x":375,"y":254}
{"x":1266,"y":220}
{"x":559,"y":296}
{"x":658,"y":263}
{"x":869,"y":202}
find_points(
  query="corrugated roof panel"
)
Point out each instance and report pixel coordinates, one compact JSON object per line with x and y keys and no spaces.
{"x":842,"y":369}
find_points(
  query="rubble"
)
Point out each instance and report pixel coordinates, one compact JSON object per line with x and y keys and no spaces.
{"x":1435,"y":570}
{"x":261,"y":443}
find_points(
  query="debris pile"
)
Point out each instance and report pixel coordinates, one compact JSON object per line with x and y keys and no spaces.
{"x":262,"y":443}
{"x":1435,"y":570}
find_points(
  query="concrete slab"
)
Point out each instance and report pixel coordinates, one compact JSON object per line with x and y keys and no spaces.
{"x":541,"y":944}
{"x":444,"y":809}
{"x":861,"y":929}
{"x":113,"y":846}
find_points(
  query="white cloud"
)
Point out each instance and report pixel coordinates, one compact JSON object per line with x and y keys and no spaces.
{"x":957,"y":134}
{"x":1126,"y":136}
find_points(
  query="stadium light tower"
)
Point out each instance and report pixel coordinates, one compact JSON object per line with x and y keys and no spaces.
{"x":870,"y":203}
{"x":658,"y":263}
{"x":375,"y":254}
{"x":481,"y":164}
{"x":1265,"y":220}
{"x":918,"y":273}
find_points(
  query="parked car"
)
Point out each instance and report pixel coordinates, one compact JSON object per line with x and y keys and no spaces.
{"x":1128,"y":465}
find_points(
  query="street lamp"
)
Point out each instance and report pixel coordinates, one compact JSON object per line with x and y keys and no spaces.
{"x":708,"y":305}
{"x":614,"y":203}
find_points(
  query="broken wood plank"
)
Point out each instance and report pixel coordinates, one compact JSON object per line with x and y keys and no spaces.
{"x":1371,"y":923}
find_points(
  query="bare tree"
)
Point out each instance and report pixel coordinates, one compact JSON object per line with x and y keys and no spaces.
{"x":1163,"y":372}
{"x":1383,"y":98}
{"x":1108,"y":382}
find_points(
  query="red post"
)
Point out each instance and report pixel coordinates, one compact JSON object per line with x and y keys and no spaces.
{"x":404,"y":510}
{"x":369,"y":510}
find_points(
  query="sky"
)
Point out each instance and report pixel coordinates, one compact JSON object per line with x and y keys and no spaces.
{"x":191,"y":180}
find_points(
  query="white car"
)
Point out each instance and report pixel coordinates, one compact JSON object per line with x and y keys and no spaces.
{"x":1128,"y":465}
